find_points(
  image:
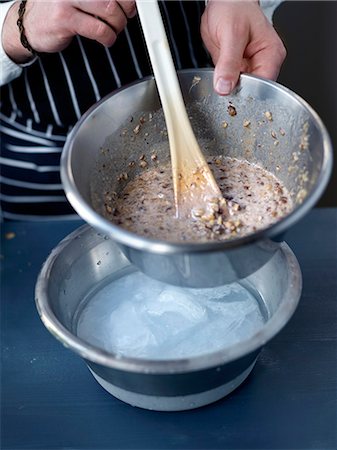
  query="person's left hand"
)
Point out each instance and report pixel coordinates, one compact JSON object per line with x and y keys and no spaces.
{"x":240,"y":39}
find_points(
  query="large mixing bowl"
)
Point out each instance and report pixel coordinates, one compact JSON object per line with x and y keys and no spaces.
{"x":84,"y":262}
{"x":284,"y":136}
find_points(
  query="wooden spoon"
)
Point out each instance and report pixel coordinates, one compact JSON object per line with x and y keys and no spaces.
{"x":195,"y":188}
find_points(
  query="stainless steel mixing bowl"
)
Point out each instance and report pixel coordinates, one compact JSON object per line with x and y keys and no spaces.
{"x":285,"y":136}
{"x":84,"y":260}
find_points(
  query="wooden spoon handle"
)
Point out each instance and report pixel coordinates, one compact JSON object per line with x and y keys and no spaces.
{"x":189,"y":167}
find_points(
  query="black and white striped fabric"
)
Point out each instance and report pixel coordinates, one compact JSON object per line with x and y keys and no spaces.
{"x":39,"y":108}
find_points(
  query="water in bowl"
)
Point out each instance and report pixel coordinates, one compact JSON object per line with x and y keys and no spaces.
{"x":132,"y":315}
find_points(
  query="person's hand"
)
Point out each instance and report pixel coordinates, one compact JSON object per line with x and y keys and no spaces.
{"x":240,"y":39}
{"x":51,"y":25}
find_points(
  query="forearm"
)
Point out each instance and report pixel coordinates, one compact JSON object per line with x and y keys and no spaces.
{"x":11,"y":37}
{"x":13,"y":56}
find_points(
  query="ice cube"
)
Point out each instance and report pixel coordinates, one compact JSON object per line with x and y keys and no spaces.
{"x":128,"y":332}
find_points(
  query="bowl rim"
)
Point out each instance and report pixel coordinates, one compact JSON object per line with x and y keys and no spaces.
{"x":166,"y":247}
{"x":96,"y":355}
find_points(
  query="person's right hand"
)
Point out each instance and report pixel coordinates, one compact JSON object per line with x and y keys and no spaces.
{"x":51,"y":25}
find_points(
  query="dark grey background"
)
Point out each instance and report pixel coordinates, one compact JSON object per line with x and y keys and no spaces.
{"x":308,"y":30}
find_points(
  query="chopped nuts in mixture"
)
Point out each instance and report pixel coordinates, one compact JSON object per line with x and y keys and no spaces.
{"x":269,"y":116}
{"x":253,"y":198}
{"x":231,"y":110}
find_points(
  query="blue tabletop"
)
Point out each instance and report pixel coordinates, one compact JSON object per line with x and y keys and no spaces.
{"x":49,"y":400}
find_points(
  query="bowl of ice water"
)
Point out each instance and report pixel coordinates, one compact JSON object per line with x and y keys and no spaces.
{"x":154,"y":345}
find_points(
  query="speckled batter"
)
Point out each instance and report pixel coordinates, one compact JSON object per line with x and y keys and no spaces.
{"x":254,"y":199}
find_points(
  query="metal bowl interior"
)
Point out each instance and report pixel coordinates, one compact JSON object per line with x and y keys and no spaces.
{"x":85,"y":259}
{"x":293,"y":144}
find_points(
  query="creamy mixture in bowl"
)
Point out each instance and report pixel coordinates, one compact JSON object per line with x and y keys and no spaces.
{"x":253,"y":198}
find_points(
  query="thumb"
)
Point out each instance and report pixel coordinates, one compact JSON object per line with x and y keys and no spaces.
{"x":229,"y":63}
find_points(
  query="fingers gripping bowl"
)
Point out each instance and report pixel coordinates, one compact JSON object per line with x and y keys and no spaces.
{"x":271,"y":127}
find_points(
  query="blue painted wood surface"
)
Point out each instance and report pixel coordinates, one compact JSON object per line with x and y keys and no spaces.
{"x":49,"y":400}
